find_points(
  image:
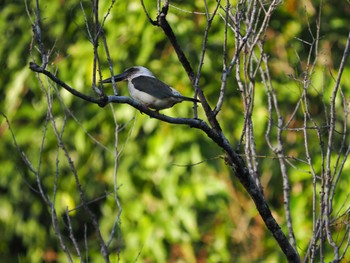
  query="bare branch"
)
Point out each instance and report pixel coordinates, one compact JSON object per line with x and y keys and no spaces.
{"x":71,"y":236}
{"x":328,"y":177}
{"x":204,"y":48}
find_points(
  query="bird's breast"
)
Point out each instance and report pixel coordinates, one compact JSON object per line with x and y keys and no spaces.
{"x":150,"y":101}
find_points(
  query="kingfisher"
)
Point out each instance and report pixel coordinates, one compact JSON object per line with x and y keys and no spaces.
{"x":148,"y":90}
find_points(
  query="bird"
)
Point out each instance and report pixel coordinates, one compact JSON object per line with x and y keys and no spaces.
{"x":148,"y":90}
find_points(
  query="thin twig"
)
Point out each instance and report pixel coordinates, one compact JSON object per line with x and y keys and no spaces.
{"x":204,"y":48}
{"x":328,"y":205}
{"x":71,"y":236}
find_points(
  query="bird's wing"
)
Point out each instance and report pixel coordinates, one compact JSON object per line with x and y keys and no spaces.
{"x":153,"y":86}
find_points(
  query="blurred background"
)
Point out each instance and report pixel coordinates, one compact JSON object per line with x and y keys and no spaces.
{"x":179,"y":203}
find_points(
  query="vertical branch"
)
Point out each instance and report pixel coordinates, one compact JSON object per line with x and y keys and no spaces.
{"x":339,"y":166}
{"x":251,"y":65}
{"x":95,"y":42}
{"x":105,"y":45}
{"x":273,"y":108}
{"x":58,"y":232}
{"x":95,"y":38}
{"x":237,"y":32}
{"x":38,"y":36}
{"x":101,"y":34}
{"x":86,"y":244}
{"x":279,"y":149}
{"x":220,"y":101}
{"x":115,"y":183}
{"x":308,"y":72}
{"x":240,"y":43}
{"x":204,"y":48}
{"x":55,"y":222}
{"x":71,"y":236}
{"x":328,"y":176}
{"x":246,"y":82}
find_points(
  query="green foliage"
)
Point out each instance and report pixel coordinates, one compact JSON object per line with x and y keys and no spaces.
{"x":175,"y":207}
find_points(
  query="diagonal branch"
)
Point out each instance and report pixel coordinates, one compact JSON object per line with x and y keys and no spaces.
{"x":168,"y":31}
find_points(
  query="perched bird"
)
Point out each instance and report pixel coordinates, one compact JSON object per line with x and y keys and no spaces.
{"x":147,"y":89}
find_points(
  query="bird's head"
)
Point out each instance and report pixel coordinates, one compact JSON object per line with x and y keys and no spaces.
{"x":137,"y":71}
{"x":130,"y":74}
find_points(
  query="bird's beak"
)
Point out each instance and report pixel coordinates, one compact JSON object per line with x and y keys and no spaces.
{"x":120,"y":77}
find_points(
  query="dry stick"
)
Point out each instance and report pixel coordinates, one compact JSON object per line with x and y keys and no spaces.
{"x":237,"y":28}
{"x":97,"y":33}
{"x":220,"y":101}
{"x":204,"y":49}
{"x":278,"y":150}
{"x":314,"y":239}
{"x":94,"y":43}
{"x":347,"y":241}
{"x":55,"y":185}
{"x":38,"y":36}
{"x":253,"y":163}
{"x":86,"y":244}
{"x":104,"y":40}
{"x":303,"y":102}
{"x":239,"y":44}
{"x":307,"y":117}
{"x":116,"y":198}
{"x":312,"y":248}
{"x":340,"y":166}
{"x":58,"y":232}
{"x":248,"y":98}
{"x":328,"y":178}
{"x":317,"y":223}
{"x":49,"y":113}
{"x":71,"y":236}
